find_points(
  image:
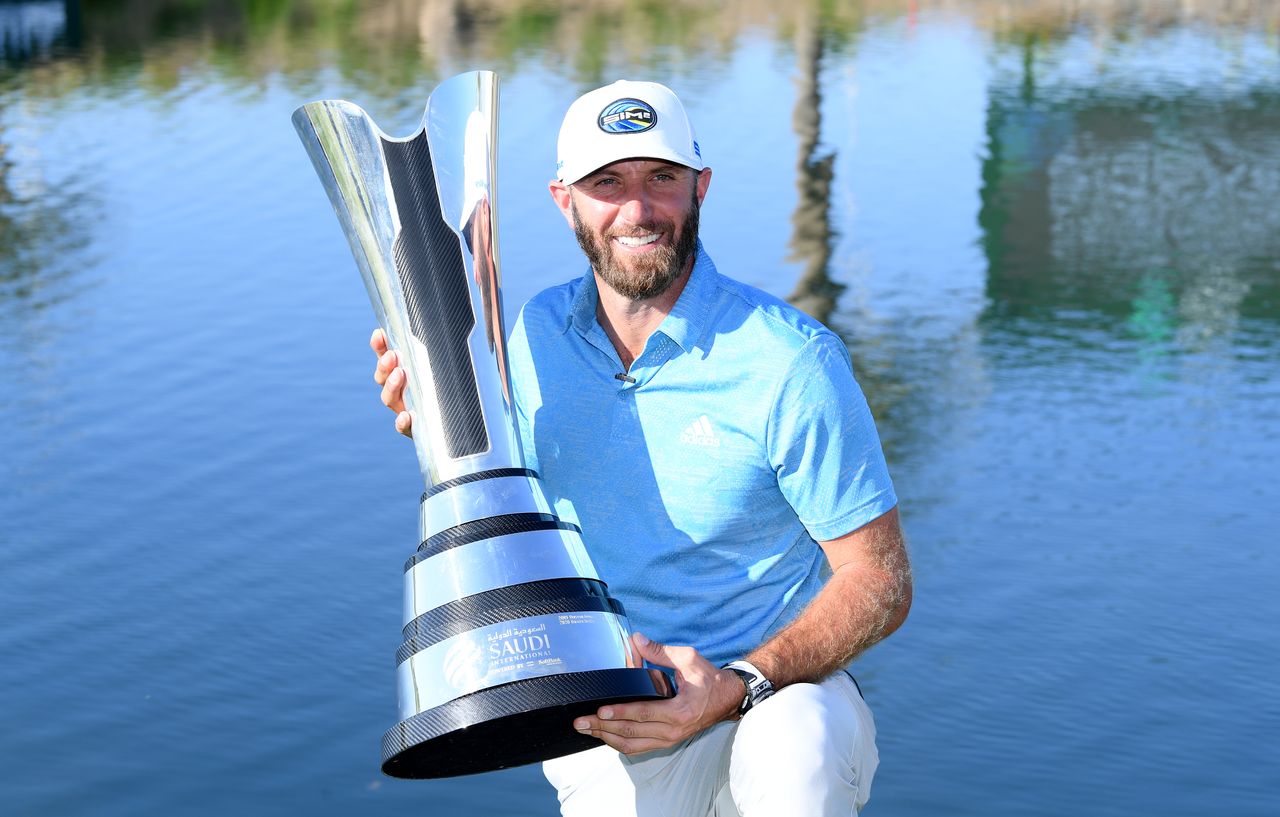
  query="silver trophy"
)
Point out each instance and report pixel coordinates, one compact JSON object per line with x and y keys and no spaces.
{"x":509,"y":633}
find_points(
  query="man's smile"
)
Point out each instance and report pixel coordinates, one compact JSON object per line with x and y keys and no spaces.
{"x":637,"y":240}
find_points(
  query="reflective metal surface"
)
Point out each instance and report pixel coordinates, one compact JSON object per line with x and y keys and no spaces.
{"x":477,"y":500}
{"x":349,"y":154}
{"x":512,"y":651}
{"x":492,"y":563}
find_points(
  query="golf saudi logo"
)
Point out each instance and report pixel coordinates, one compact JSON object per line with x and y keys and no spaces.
{"x":465,"y":664}
{"x":627,"y":116}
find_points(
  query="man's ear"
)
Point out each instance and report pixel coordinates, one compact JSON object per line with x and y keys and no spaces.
{"x":563,"y":198}
{"x":703,"y":182}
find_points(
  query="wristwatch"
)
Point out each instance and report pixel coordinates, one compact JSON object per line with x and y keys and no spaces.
{"x":758,"y":686}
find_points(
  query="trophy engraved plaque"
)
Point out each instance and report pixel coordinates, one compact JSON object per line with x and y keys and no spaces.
{"x":508,"y":631}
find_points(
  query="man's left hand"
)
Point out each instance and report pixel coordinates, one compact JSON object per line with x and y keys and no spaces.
{"x":706,"y":695}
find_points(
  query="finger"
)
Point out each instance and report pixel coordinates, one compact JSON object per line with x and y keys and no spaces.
{"x":393,"y":390}
{"x":670,"y":718}
{"x":404,"y":423}
{"x":387,"y":363}
{"x":632,"y":746}
{"x":663,"y":712}
{"x":630,"y":736}
{"x":378,"y":342}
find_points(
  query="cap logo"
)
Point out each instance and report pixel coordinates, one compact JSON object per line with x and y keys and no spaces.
{"x":627,"y":116}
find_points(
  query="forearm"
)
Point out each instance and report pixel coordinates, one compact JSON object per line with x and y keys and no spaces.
{"x":866,"y":599}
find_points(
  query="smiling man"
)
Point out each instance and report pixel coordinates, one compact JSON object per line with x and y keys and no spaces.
{"x":716,"y":451}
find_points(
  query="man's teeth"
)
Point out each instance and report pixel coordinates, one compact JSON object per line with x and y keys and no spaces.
{"x":637,"y":240}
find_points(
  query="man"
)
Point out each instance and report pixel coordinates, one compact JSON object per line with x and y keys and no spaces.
{"x":712,"y":444}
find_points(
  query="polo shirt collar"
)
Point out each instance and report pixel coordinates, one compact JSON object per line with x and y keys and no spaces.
{"x":687,"y":319}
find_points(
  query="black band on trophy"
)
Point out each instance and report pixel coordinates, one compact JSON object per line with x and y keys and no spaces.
{"x":504,"y":604}
{"x":478,"y":731}
{"x":478,"y":476}
{"x":503,"y":525}
{"x":515,"y":597}
{"x":528,"y":524}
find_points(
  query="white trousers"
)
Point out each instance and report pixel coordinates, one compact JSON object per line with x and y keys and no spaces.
{"x":809,"y":751}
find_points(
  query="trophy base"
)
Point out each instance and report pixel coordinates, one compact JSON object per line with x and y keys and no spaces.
{"x":511,"y":725}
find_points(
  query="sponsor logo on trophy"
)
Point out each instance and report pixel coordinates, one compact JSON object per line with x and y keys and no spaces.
{"x":508,"y":631}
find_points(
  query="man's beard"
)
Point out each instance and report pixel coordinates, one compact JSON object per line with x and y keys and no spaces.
{"x":648,"y":275}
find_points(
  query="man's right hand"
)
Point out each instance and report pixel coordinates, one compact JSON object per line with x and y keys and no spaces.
{"x":391,"y":378}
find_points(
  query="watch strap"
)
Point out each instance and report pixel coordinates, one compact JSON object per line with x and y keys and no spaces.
{"x":758,"y":686}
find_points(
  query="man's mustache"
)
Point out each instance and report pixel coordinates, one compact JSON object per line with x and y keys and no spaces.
{"x":640,"y":230}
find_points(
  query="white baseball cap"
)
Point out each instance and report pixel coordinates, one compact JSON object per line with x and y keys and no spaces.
{"x":625,"y":120}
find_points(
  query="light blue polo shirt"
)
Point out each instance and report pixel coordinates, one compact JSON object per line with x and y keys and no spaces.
{"x":701,"y":487}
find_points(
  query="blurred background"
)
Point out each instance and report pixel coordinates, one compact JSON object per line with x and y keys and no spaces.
{"x":1047,"y":229}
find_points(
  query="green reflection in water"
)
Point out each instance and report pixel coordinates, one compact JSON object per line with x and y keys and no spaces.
{"x":385,"y":46}
{"x":1153,"y":319}
{"x":1134,"y":202}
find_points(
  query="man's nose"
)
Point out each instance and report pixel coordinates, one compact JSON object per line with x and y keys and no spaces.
{"x":637,"y":208}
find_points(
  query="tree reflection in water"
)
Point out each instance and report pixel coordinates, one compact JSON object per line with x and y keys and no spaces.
{"x":812,"y":235}
{"x":43,"y":231}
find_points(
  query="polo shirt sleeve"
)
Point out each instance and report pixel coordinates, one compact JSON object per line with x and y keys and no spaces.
{"x":823,"y":446}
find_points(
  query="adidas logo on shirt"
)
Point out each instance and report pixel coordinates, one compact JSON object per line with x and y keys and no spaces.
{"x":700,"y":432}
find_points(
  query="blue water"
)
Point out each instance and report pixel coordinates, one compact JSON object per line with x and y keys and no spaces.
{"x":1052,"y":246}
